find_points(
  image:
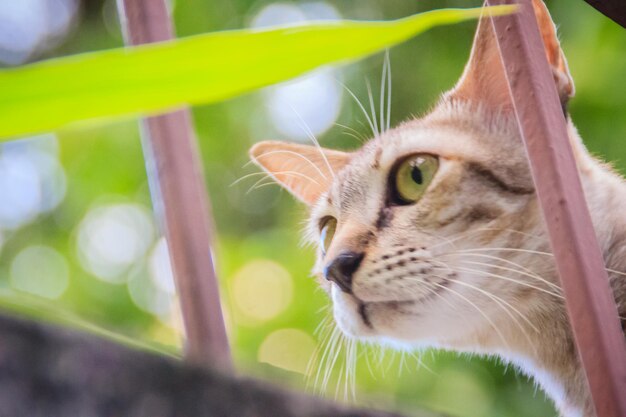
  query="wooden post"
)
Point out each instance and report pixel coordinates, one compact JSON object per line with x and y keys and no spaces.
{"x":180,"y":198}
{"x":589,"y":299}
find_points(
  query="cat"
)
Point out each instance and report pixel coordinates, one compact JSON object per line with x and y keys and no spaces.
{"x":431,"y":233}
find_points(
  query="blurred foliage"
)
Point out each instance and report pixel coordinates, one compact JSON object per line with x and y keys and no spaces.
{"x":148,"y":78}
{"x":104,"y":166}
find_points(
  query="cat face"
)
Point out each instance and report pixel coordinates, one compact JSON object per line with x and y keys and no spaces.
{"x":395,"y":265}
{"x":424,"y":232}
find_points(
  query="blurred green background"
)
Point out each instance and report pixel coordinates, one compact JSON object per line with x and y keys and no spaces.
{"x":78,"y":240}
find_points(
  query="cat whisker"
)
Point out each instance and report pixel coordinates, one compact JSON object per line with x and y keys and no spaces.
{"x":382,"y":97}
{"x":496,"y":299}
{"x":504,"y":278}
{"x":351,"y":129}
{"x":467,"y":233}
{"x":530,"y":275}
{"x":285,"y":151}
{"x":402,"y":362}
{"x":421,"y":364}
{"x":507,"y":307}
{"x":519,"y":232}
{"x":381,"y":358}
{"x":326,"y":320}
{"x":613,"y":271}
{"x":358,"y":102}
{"x":368,"y":363}
{"x":313,"y":139}
{"x":323,"y":363}
{"x":352,"y":132}
{"x":267,"y":175}
{"x":351,"y":368}
{"x":323,"y":331}
{"x":500,"y":259}
{"x":503,"y":304}
{"x":341,"y":370}
{"x":454,"y":238}
{"x":535,"y":276}
{"x":490,"y":249}
{"x":362,"y":141}
{"x":388,"y":62}
{"x":535,"y":252}
{"x":372,"y":108}
{"x":259,"y":184}
{"x":482,"y":313}
{"x":444,"y":299}
{"x":337,"y":348}
{"x":245,"y":177}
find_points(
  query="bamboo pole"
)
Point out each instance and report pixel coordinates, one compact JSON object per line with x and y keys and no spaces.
{"x":589,"y":299}
{"x":180,"y":200}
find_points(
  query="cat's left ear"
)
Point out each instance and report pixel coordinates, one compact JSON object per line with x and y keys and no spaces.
{"x":484,"y":80}
{"x":305,"y":171}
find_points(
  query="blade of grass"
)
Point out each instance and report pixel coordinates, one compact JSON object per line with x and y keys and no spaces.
{"x":42,"y":310}
{"x":206,"y":68}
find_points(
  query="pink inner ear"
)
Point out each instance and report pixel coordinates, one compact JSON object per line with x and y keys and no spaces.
{"x":554,"y":53}
{"x":484,"y":80}
{"x":305,"y":171}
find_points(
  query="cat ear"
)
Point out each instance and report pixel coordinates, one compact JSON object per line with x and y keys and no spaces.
{"x":306,"y":171}
{"x":554,"y":53}
{"x":484,"y":79}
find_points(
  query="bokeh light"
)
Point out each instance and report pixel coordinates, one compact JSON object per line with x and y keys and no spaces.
{"x":32,"y":181}
{"x":112,"y":238}
{"x":28,"y":26}
{"x":308,"y":105}
{"x":289,"y":349}
{"x":147,"y":295}
{"x":41,"y":271}
{"x":160,"y":267}
{"x":261,"y":290}
{"x":151,"y":285}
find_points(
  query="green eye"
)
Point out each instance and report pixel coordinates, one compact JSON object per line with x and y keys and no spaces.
{"x":329,"y":225}
{"x":413,"y":176}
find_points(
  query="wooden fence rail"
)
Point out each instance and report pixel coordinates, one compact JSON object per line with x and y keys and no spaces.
{"x":180,"y":199}
{"x":590,"y":304}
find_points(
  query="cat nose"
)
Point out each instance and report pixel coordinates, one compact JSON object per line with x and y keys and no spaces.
{"x":341,"y":269}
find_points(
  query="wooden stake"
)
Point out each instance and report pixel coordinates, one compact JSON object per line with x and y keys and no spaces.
{"x":589,"y":299}
{"x":180,"y":200}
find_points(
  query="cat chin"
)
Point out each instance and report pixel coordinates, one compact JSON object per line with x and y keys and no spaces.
{"x":380,"y":321}
{"x":350,"y":315}
{"x":389,"y":323}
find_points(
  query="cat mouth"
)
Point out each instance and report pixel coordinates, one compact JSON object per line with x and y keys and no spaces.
{"x":363,"y":313}
{"x":364,"y":307}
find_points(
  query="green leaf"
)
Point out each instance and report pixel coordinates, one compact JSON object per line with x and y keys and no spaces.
{"x":207,"y":68}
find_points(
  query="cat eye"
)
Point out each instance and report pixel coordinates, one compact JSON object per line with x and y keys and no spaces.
{"x":328,"y":226}
{"x":412,"y":177}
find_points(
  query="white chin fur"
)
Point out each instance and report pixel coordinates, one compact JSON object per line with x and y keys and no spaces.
{"x":347,"y":316}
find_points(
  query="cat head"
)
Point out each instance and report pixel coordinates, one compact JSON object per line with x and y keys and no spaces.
{"x":424,"y":232}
